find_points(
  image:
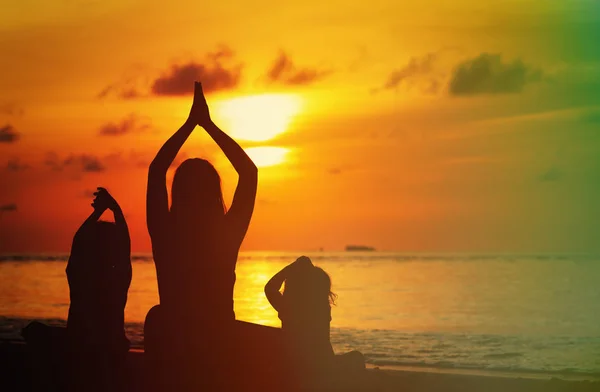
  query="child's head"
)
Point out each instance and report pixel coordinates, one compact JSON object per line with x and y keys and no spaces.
{"x":309,"y":285}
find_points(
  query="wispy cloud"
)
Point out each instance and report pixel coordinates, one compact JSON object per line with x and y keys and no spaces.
{"x":489,"y":74}
{"x":483,"y":74}
{"x":124,"y":90}
{"x":15,"y":165}
{"x":82,"y":163}
{"x":214,"y":75}
{"x":217,"y":70}
{"x":8,"y":207}
{"x":130,"y":124}
{"x":417,"y":66}
{"x":11,"y":109}
{"x":8,"y":134}
{"x":283,"y":70}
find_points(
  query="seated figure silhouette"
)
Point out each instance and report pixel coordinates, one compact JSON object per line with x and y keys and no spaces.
{"x":92,"y":349}
{"x":304,"y":309}
{"x":189,"y":337}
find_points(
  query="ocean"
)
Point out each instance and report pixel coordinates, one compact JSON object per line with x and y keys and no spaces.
{"x":494,"y":312}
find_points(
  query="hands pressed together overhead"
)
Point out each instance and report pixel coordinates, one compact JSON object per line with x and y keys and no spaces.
{"x":199,"y":114}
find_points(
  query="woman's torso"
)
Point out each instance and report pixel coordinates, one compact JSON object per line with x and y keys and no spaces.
{"x":196,"y":275}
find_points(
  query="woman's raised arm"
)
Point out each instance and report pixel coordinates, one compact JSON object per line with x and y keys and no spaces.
{"x":157,"y":201}
{"x":240,"y":213}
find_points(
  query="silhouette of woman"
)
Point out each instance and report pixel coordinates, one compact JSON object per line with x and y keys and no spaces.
{"x":195,"y":245}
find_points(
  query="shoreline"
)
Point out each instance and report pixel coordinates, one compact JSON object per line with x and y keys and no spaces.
{"x":486,"y":373}
{"x":20,"y":345}
{"x":15,"y":371}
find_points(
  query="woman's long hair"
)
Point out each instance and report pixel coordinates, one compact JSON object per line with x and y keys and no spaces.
{"x":197,"y":205}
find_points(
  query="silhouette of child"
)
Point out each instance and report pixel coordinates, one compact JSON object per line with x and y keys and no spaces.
{"x":94,"y":345}
{"x":99,"y":274}
{"x":304,"y":309}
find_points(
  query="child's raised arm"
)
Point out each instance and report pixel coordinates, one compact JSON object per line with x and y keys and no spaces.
{"x":103,"y":198}
{"x":78,"y":239}
{"x":274,"y":285}
{"x":122,"y":277}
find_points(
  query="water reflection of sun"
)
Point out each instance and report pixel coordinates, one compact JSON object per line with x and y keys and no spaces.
{"x":257,"y":117}
{"x":250,"y":301}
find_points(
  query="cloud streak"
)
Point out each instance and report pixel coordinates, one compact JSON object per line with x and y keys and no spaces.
{"x":8,"y":207}
{"x":83,"y":162}
{"x":11,"y":109}
{"x":217,"y":71}
{"x":130,"y":124}
{"x":489,"y":74}
{"x":283,"y":70}
{"x":214,"y":75}
{"x":8,"y":134}
{"x":15,"y":165}
{"x":126,"y":90}
{"x":484,"y":74}
{"x":415,"y":67}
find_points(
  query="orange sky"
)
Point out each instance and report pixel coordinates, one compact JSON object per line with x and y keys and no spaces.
{"x":430,"y":125}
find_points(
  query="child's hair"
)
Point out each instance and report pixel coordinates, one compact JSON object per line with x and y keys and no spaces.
{"x":310,"y":285}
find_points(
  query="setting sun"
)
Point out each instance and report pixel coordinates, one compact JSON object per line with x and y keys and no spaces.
{"x":267,"y":156}
{"x":258,"y":117}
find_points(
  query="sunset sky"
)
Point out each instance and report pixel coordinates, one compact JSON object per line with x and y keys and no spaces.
{"x":430,"y":125}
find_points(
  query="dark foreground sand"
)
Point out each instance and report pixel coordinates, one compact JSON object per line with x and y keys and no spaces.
{"x":16,"y":375}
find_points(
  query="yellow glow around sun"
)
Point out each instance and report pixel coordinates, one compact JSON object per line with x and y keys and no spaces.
{"x":267,"y":156}
{"x":257,"y":117}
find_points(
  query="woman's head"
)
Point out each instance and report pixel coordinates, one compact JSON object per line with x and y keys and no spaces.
{"x":196,"y":191}
{"x":309,"y":285}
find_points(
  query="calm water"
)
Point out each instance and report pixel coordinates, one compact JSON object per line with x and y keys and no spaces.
{"x":517,"y":313}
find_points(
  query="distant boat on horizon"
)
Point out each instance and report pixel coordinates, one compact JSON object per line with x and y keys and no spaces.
{"x":359,"y":248}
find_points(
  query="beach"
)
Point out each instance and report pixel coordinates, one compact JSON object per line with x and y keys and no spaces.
{"x":423,"y":322}
{"x":16,"y":376}
{"x":505,"y":313}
